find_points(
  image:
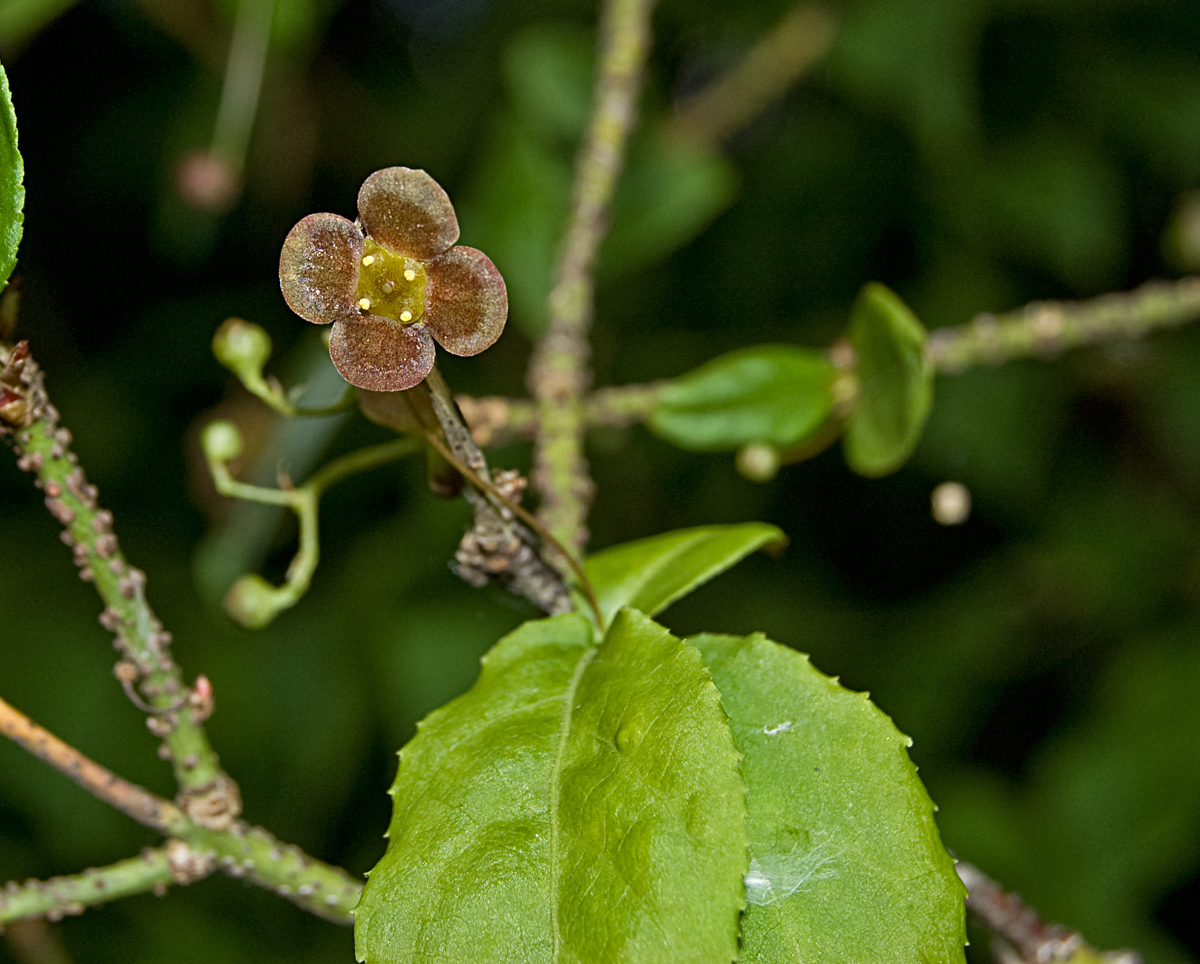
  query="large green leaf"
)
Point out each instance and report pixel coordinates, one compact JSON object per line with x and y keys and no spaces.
{"x":652,"y":573}
{"x":895,"y":383}
{"x":768,"y":393}
{"x":578,"y":804}
{"x":12,"y":187}
{"x":846,"y":863}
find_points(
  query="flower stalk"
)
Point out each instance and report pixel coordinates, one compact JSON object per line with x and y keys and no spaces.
{"x":252,"y":601}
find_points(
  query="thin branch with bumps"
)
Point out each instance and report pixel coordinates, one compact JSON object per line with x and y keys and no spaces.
{"x":147,"y":669}
{"x":195,"y":850}
{"x":559,"y":372}
{"x":1040,"y":329}
{"x":1022,"y":937}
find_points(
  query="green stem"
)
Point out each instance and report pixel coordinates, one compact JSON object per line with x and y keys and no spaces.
{"x":559,"y":372}
{"x":1044,"y":328}
{"x":44,"y":449}
{"x":192,"y":854}
{"x":764,"y":75}
{"x":243,"y":81}
{"x":252,"y":601}
{"x":60,"y":896}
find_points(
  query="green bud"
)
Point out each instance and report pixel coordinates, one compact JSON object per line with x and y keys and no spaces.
{"x":758,"y":461}
{"x":243,"y":347}
{"x":252,"y":602}
{"x":221,"y":441}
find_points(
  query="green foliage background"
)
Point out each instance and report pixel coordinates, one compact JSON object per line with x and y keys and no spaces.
{"x":971,"y":154}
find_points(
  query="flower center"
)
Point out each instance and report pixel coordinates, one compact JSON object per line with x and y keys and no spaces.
{"x":391,"y":285}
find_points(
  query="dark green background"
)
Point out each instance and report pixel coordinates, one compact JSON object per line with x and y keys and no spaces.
{"x":972,"y":154}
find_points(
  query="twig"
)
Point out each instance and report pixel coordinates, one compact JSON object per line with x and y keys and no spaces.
{"x":1027,"y":939}
{"x":497,"y":546}
{"x":497,"y":421}
{"x":61,"y":896}
{"x":1039,"y":329}
{"x":44,"y":449}
{"x":1044,"y":328}
{"x":243,"y":81}
{"x":132,"y":800}
{"x":197,"y":848}
{"x":766,"y":72}
{"x":559,"y":371}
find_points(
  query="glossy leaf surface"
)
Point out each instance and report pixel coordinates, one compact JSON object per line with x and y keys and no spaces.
{"x":846,"y":863}
{"x":895,"y":383}
{"x":650,"y":574}
{"x":769,"y":393}
{"x":12,"y":186}
{"x":578,"y":804}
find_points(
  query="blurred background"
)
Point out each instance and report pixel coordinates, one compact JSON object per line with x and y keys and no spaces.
{"x":972,"y":154}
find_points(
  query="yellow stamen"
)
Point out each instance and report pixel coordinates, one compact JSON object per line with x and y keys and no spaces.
{"x":406,"y":316}
{"x":410,"y":275}
{"x":368,"y":260}
{"x":364,"y":303}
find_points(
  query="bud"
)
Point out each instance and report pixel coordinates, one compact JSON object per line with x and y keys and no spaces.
{"x":950,"y":504}
{"x":221,"y":441}
{"x":758,"y":461}
{"x":243,"y":347}
{"x":252,"y":602}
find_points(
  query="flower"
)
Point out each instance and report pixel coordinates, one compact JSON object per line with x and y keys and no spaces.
{"x":392,"y":282}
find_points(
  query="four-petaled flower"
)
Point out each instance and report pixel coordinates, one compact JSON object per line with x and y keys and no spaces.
{"x":392,"y":282}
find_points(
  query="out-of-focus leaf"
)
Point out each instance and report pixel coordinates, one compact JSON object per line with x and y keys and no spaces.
{"x":21,"y":19}
{"x":1052,"y":203}
{"x":652,"y":573}
{"x":895,"y":383}
{"x":918,"y":63}
{"x":846,"y":863}
{"x":672,"y":189}
{"x":515,"y":212}
{"x":12,"y":186}
{"x":548,"y":73}
{"x":578,"y":804}
{"x":778,"y":394}
{"x":1102,"y":823}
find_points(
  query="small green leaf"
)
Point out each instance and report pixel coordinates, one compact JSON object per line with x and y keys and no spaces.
{"x":895,"y":383}
{"x":12,"y":187}
{"x":846,"y":863}
{"x":652,"y":573}
{"x":768,"y":393}
{"x":578,"y":804}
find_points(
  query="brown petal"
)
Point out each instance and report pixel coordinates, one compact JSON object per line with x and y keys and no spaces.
{"x":318,"y":268}
{"x":408,"y":212}
{"x":466,"y":303}
{"x":380,"y":354}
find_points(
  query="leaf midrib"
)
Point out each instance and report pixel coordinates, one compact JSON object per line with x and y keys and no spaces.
{"x":564,"y":731}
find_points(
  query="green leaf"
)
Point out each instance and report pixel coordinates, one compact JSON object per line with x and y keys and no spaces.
{"x":12,"y":187}
{"x":578,"y":804}
{"x":895,"y":388}
{"x":652,"y":573}
{"x":768,"y":393}
{"x":846,"y":863}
